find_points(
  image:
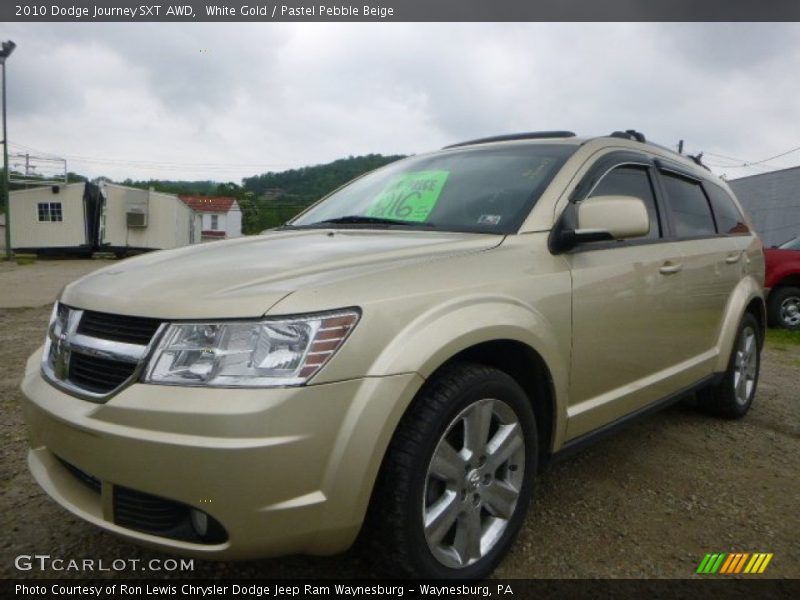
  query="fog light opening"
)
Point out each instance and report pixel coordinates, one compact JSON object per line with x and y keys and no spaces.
{"x":199,"y":521}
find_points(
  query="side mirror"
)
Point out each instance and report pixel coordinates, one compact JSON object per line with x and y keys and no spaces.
{"x":601,"y":218}
{"x":619,"y":217}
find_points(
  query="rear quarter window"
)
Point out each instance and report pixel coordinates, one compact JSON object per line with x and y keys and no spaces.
{"x":728,"y":216}
{"x":691,"y":213}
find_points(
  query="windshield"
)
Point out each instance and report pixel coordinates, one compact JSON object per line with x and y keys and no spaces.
{"x":791,"y":244}
{"x":486,"y":190}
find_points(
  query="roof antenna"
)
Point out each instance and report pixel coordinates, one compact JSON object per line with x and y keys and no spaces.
{"x":680,"y":147}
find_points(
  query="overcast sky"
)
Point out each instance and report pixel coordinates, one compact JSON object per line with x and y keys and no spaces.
{"x":225,"y":101}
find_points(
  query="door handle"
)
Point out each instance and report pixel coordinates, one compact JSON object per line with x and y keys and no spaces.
{"x":670,"y":268}
{"x":733,"y":258}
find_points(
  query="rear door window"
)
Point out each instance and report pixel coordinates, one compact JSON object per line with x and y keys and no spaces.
{"x":691,"y":213}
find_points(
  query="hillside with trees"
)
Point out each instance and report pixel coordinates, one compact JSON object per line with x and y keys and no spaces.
{"x":272,"y":198}
{"x":277,"y":197}
{"x":269,"y":199}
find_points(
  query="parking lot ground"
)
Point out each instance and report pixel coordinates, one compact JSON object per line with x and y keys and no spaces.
{"x":648,"y":502}
{"x":39,"y":283}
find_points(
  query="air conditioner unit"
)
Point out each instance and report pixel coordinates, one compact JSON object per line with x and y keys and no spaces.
{"x":136,"y":219}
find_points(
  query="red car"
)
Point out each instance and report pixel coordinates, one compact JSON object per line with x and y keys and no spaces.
{"x":783,"y":283}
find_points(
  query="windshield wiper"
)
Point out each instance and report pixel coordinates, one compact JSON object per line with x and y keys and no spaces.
{"x":365,"y":220}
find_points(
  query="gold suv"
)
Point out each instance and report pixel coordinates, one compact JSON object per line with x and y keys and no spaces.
{"x":400,"y":359}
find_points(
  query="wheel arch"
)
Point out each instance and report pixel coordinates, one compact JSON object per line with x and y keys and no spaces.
{"x":516,"y":359}
{"x":519,"y":360}
{"x":792,"y":279}
{"x":496,"y":331}
{"x":748,"y":296}
{"x":511,"y":356}
{"x":757,"y":307}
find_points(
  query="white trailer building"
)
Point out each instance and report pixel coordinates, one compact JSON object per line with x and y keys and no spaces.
{"x":136,"y":220}
{"x":54,"y":219}
{"x":81,"y":218}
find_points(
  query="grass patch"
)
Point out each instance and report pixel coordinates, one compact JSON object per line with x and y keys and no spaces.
{"x":25,"y":259}
{"x":780,"y":338}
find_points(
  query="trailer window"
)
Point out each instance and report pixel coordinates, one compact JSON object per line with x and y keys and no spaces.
{"x":50,"y":212}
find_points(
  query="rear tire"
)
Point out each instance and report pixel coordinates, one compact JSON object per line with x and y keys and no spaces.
{"x":784,"y":308}
{"x":458,"y":476}
{"x":732,"y":396}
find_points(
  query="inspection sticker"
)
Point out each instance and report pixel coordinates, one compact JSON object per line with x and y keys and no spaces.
{"x":489,"y":219}
{"x":409,"y":197}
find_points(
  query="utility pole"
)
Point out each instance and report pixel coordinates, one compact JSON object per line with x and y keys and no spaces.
{"x":6,"y":48}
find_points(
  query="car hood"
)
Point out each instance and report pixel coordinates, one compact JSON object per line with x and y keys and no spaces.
{"x":246,"y":276}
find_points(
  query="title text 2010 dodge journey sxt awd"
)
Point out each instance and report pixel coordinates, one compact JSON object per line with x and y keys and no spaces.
{"x":401,"y":358}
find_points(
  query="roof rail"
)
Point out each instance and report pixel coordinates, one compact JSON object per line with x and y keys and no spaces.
{"x":532,"y":135}
{"x":629,"y":134}
{"x":698,"y":160}
{"x":632,"y":134}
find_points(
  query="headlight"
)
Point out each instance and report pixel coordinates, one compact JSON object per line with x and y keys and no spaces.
{"x":269,"y":352}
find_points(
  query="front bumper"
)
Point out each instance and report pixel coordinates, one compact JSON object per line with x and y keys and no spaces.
{"x":284,"y":470}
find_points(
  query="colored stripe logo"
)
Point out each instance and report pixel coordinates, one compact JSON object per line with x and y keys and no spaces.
{"x":735,"y":562}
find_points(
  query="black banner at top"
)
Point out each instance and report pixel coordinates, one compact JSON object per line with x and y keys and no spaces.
{"x":397,"y":10}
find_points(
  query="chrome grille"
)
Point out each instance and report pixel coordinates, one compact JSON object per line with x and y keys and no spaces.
{"x":91,"y":354}
{"x":97,"y":374}
{"x":118,"y":328}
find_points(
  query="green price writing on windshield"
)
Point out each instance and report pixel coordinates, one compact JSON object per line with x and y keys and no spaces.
{"x":409,"y":197}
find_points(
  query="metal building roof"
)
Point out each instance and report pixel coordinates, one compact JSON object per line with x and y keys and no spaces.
{"x":213,"y":204}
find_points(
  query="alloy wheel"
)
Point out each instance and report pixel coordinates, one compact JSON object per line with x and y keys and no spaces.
{"x":790,"y":311}
{"x":473,"y":483}
{"x":746,"y":365}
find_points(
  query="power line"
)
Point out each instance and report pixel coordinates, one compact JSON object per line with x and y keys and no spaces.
{"x":752,"y":163}
{"x":155,"y":164}
{"x":761,"y":168}
{"x":777,"y":156}
{"x":41,"y":153}
{"x":733,"y":158}
{"x":735,"y":165}
{"x":182,"y":167}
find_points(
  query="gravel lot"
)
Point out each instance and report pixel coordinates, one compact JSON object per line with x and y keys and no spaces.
{"x":39,"y":283}
{"x":648,"y":502}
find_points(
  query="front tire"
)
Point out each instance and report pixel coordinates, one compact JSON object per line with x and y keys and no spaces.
{"x":732,"y":396}
{"x":458,"y":476}
{"x":784,"y":308}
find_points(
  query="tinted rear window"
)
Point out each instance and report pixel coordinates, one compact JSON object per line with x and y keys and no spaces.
{"x":729,"y":219}
{"x":691,"y":213}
